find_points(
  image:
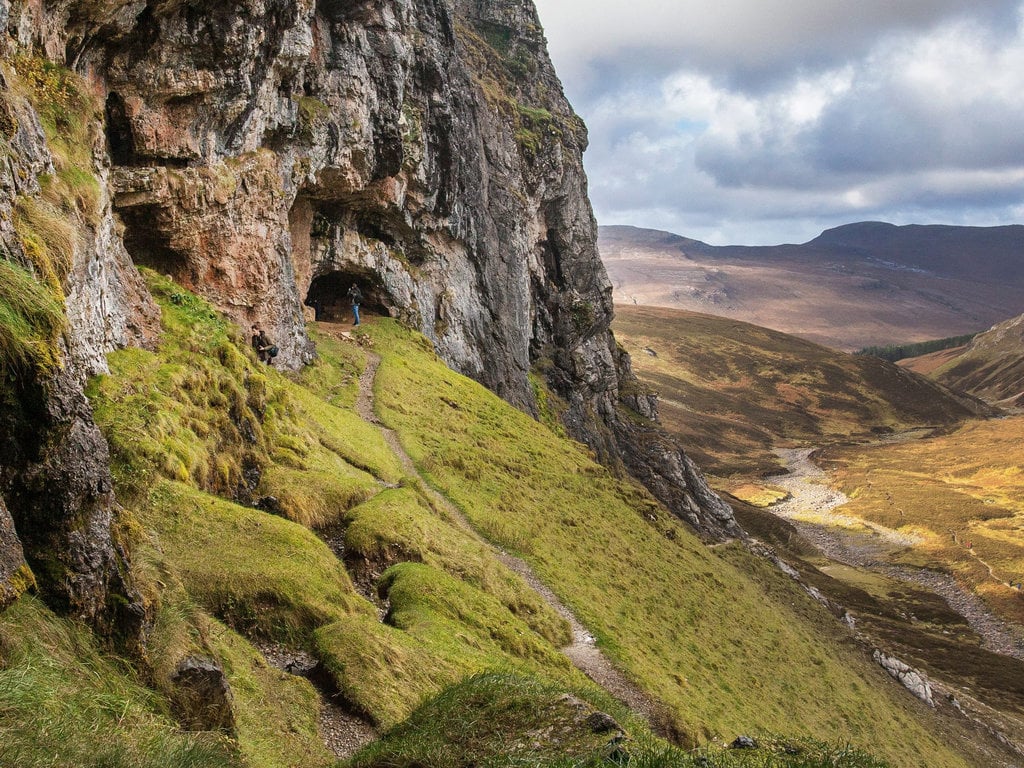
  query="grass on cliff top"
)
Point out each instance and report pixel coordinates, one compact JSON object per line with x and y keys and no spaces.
{"x":731,"y":390}
{"x":691,"y":627}
{"x":62,"y":703}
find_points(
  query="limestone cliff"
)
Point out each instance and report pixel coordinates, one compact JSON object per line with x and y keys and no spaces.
{"x":267,"y":154}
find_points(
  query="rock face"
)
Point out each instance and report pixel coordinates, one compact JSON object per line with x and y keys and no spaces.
{"x":15,"y":577}
{"x":908,"y":677}
{"x":54,"y":469}
{"x":269,"y":153}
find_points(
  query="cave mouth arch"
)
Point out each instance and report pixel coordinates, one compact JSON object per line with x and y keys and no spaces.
{"x":328,"y":295}
{"x":149,"y":246}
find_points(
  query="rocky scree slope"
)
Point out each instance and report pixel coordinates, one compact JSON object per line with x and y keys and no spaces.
{"x":268,"y":153}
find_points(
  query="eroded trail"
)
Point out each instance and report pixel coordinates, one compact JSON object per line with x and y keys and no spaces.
{"x":583,"y":652}
{"x":812,"y":508}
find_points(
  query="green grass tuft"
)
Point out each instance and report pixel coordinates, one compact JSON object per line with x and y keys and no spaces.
{"x":500,"y":720}
{"x":31,"y":321}
{"x":261,"y":574}
{"x":62,"y":703}
{"x":400,"y":525}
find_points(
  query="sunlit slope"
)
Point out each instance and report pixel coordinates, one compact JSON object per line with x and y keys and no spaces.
{"x":724,"y":640}
{"x":417,"y":605}
{"x":990,"y":367}
{"x":730,"y":390}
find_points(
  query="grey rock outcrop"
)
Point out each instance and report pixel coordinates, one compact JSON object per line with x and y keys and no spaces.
{"x":202,"y":696}
{"x":55,"y":476}
{"x":54,"y":464}
{"x":907,"y":676}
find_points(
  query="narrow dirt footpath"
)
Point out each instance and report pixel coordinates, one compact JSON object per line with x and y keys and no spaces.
{"x":862,"y":544}
{"x":583,"y":652}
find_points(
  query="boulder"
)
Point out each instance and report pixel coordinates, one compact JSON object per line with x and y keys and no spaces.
{"x":909,"y":678}
{"x":202,"y":696}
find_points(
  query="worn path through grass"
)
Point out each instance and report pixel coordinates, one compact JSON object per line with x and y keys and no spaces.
{"x":583,"y":651}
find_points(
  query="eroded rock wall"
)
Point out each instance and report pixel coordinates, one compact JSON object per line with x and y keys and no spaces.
{"x":269,"y":153}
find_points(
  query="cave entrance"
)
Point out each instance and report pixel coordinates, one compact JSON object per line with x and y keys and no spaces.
{"x":149,"y":246}
{"x":328,"y":295}
{"x":119,"y":131}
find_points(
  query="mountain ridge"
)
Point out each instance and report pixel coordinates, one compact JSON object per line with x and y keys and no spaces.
{"x":850,"y":287}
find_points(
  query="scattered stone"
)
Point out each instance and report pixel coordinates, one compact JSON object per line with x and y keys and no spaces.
{"x":743,"y":742}
{"x":202,"y":696}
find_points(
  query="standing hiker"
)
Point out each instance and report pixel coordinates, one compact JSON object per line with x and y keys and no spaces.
{"x":356,"y":296}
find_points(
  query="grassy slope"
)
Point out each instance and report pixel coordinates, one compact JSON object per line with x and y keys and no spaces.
{"x":60,"y":696}
{"x":990,"y":367}
{"x":690,"y":624}
{"x":731,"y":390}
{"x":187,"y":424}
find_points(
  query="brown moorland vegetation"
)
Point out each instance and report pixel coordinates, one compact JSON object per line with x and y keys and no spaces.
{"x":962,"y":493}
{"x":851,"y":287}
{"x":731,"y":391}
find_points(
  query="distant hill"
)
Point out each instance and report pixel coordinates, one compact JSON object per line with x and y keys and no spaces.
{"x":853,"y":286}
{"x":990,"y":367}
{"x":730,"y":390}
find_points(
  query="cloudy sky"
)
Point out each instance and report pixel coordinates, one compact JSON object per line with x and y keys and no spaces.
{"x":767,"y":121}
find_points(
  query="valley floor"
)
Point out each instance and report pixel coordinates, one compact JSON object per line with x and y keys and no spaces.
{"x":815,"y":509}
{"x":897,"y":564}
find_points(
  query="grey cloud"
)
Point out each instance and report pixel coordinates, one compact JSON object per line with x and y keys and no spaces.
{"x":740,"y":41}
{"x":793,"y":122}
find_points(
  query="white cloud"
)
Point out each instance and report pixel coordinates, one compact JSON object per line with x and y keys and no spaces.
{"x":744,"y":115}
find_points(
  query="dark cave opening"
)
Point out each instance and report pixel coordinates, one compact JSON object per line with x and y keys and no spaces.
{"x":119,"y":131}
{"x":328,"y":295}
{"x":149,"y":246}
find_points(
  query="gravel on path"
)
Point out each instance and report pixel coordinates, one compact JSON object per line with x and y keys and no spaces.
{"x":812,"y":508}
